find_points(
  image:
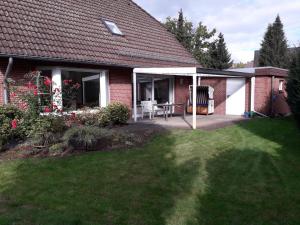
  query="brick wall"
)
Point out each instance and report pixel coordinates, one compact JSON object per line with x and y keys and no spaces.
{"x":219,"y":84}
{"x":262,"y":94}
{"x":182,"y":89}
{"x":120,"y":86}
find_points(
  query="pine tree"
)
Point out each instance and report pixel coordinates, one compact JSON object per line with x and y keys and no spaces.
{"x":219,"y":57}
{"x":274,"y":46}
{"x":201,"y":43}
{"x":182,"y":29}
{"x":293,"y":87}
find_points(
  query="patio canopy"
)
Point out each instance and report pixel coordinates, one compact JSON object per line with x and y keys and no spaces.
{"x":194,"y":72}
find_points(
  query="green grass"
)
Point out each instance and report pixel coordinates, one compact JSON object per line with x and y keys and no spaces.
{"x":248,"y":174}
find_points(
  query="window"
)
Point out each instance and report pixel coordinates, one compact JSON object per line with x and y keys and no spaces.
{"x":281,"y":85}
{"x":113,"y":28}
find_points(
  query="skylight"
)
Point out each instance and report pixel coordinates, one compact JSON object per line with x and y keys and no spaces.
{"x":113,"y":28}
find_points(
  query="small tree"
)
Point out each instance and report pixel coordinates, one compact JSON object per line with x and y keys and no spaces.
{"x":293,"y":87}
{"x":274,"y":46}
{"x":219,"y":57}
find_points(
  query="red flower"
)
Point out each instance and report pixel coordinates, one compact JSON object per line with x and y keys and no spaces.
{"x":47,"y":109}
{"x":77,"y":85}
{"x":66,"y":82}
{"x":14,"y":124}
{"x":29,"y":85}
{"x":35,"y":92}
{"x":13,"y":94}
{"x":47,"y":81}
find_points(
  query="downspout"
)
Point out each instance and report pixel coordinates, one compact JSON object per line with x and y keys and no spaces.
{"x":272,"y":94}
{"x":5,"y":81}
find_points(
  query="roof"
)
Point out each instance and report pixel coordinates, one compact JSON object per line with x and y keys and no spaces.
{"x":62,"y":30}
{"x":190,"y":71}
{"x":263,"y":71}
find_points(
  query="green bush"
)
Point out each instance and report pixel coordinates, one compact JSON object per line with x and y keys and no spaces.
{"x":85,"y":137}
{"x":89,"y":118}
{"x":7,"y":115}
{"x":46,"y":130}
{"x":293,"y":87}
{"x":117,"y":113}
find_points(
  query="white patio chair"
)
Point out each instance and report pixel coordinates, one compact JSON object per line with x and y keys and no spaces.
{"x":147,"y":107}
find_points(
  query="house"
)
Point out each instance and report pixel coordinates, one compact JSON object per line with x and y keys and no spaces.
{"x":117,"y":52}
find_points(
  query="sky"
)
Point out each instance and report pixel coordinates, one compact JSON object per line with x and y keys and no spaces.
{"x":242,"y":22}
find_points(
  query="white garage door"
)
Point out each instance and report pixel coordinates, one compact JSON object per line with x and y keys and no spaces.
{"x":235,"y":96}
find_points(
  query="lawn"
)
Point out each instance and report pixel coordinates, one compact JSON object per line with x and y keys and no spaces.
{"x":247,"y":174}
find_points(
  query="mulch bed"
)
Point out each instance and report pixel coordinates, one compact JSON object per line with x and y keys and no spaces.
{"x":142,"y":134}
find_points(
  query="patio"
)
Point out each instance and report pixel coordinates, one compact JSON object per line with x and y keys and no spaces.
{"x":204,"y":122}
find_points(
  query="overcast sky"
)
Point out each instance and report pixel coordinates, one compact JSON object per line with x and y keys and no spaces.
{"x":243,"y":22}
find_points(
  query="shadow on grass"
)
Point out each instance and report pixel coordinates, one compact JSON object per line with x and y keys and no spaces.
{"x":138,"y":186}
{"x":254,"y":185}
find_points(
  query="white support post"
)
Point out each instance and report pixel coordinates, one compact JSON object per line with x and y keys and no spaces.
{"x":194,"y":101}
{"x":152,"y":90}
{"x":103,"y":89}
{"x":252,"y":101}
{"x":57,"y":88}
{"x":134,"y":97}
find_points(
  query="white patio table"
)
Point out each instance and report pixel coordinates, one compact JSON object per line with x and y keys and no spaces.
{"x":168,"y":109}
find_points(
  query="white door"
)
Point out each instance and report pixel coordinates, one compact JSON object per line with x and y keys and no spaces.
{"x":235,"y":96}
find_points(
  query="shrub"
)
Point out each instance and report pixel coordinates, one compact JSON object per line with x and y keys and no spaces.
{"x":85,"y":137}
{"x":117,"y":113}
{"x":11,"y":124}
{"x":293,"y":87}
{"x":46,"y":130}
{"x":89,"y":118}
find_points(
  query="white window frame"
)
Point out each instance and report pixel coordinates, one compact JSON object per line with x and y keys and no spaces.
{"x":281,"y":83}
{"x":116,"y":30}
{"x":103,"y":76}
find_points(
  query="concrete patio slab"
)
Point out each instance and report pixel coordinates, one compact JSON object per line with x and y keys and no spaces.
{"x":209,"y":122}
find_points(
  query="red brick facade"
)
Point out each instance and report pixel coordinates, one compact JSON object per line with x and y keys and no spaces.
{"x":263,"y":92}
{"x":120,"y":86}
{"x":181,"y":87}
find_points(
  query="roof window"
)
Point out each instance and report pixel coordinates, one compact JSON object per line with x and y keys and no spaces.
{"x":113,"y":28}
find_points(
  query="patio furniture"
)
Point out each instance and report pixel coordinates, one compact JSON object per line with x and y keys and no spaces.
{"x":204,"y":100}
{"x":168,"y":108}
{"x":150,"y":107}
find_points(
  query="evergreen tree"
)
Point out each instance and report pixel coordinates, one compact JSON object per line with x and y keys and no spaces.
{"x":293,"y":87}
{"x":201,"y":43}
{"x":274,"y":46}
{"x":197,"y":41}
{"x":219,"y":57}
{"x":182,"y":29}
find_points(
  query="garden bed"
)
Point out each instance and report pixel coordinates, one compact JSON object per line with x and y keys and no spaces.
{"x":137,"y":135}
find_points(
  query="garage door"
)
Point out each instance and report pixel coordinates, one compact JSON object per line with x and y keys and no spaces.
{"x":235,"y":96}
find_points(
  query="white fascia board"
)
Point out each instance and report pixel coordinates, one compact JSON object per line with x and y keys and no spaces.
{"x":182,"y":71}
{"x":212,"y":75}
